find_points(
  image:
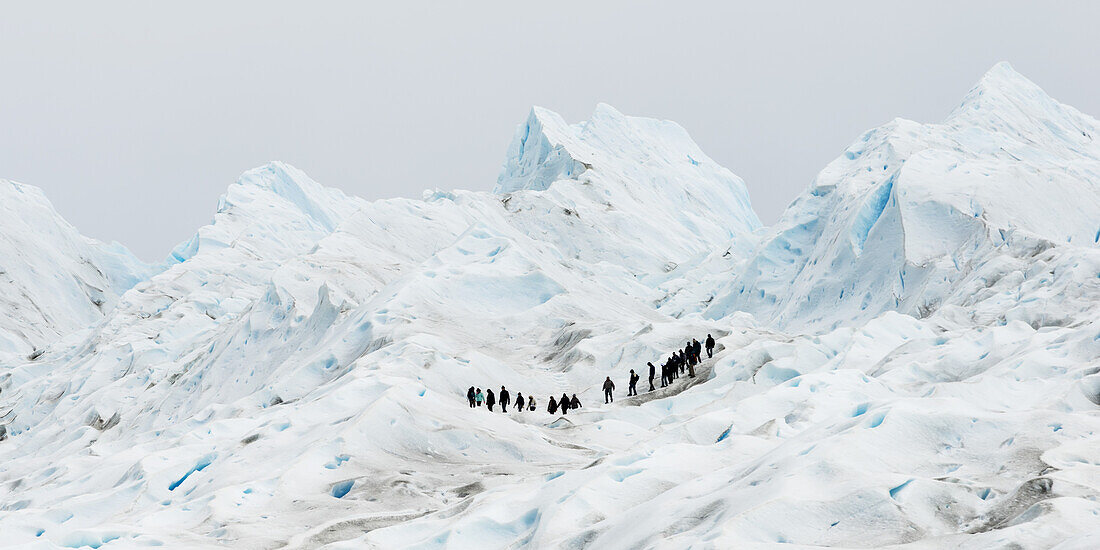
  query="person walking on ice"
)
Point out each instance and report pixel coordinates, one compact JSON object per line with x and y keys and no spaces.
{"x":490,"y":399}
{"x":479,"y":397}
{"x":564,"y":404}
{"x":608,"y":387}
{"x":504,"y":399}
{"x":552,"y":406}
{"x":710,"y":346}
{"x":531,"y":403}
{"x":632,"y":384}
{"x":574,"y":403}
{"x":471,"y":397}
{"x":519,"y":402}
{"x":652,"y":373}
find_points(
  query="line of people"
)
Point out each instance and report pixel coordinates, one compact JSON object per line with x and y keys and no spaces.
{"x":680,"y":361}
{"x":673,"y":367}
{"x":477,"y":398}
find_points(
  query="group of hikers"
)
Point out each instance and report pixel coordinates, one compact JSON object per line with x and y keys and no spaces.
{"x":478,"y":398}
{"x":681,"y":360}
{"x":671,"y":369}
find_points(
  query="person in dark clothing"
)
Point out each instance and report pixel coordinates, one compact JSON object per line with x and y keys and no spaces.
{"x":682,"y":363}
{"x":666,"y":373}
{"x":608,"y":387}
{"x":632,"y":384}
{"x":504,"y":399}
{"x":698,"y":349}
{"x":531,"y":403}
{"x":470,"y":397}
{"x":691,"y":369}
{"x":710,"y":346}
{"x":652,"y":373}
{"x":490,"y":399}
{"x":552,"y":407}
{"x":519,"y":402}
{"x":564,"y":403}
{"x":574,"y":403}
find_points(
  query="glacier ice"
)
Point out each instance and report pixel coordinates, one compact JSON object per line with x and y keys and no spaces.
{"x":908,"y":357}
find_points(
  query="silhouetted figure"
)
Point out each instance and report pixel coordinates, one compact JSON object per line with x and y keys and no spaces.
{"x":652,"y":373}
{"x":504,"y":399}
{"x":608,"y":387}
{"x":470,"y":395}
{"x":710,"y":346}
{"x":479,"y":397}
{"x":664,"y":374}
{"x":490,"y":399}
{"x":531,"y":403}
{"x":574,"y":403}
{"x":553,"y":406}
{"x":632,"y":384}
{"x":698,"y":349}
{"x":519,"y":402}
{"x":563,"y":404}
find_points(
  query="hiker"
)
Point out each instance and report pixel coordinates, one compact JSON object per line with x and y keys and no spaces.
{"x":710,"y":346}
{"x":564,"y":403}
{"x":479,"y":397}
{"x":504,"y":399}
{"x":691,"y":369}
{"x":470,"y":397}
{"x":531,"y":403}
{"x":652,"y":372}
{"x":490,"y":399}
{"x":553,"y":406}
{"x":574,"y":403}
{"x":608,"y":387}
{"x":519,"y":402}
{"x":664,"y":374}
{"x":631,"y":384}
{"x":698,"y":349}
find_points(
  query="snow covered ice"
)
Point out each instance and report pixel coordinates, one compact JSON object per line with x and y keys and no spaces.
{"x":909,"y":358}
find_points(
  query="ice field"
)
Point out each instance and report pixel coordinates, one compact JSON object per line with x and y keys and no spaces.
{"x":909,"y":358}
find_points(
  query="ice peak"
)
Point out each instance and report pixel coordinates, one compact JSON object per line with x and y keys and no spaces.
{"x":1003,"y":75}
{"x":265,"y":206}
{"x":539,"y":153}
{"x":1003,"y":90}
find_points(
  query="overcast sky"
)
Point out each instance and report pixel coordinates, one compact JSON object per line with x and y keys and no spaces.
{"x":135,"y":117}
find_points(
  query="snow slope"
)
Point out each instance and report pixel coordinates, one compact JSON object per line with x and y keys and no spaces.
{"x":296,"y":378}
{"x":52,"y":279}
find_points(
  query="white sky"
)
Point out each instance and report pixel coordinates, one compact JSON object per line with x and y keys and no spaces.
{"x":135,"y":117}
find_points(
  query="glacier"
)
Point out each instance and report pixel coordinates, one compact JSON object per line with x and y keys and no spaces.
{"x":907,"y":359}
